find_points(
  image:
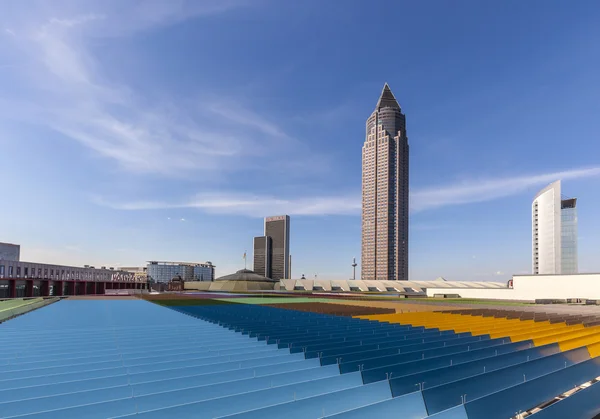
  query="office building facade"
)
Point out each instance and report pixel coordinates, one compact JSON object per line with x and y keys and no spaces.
{"x":30,"y":279}
{"x":568,"y":236}
{"x":385,"y":161}
{"x":278,"y":229}
{"x":204,"y":272}
{"x":554,"y":232}
{"x":262,"y":256}
{"x":272,"y":251}
{"x":163,"y":272}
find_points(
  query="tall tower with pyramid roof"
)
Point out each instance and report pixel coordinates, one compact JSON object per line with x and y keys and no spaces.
{"x":384,"y":252}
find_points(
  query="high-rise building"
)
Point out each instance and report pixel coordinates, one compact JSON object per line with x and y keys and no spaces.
{"x":278,"y":229}
{"x":272,"y":251}
{"x":385,"y":192}
{"x":554,"y":232}
{"x":262,"y":256}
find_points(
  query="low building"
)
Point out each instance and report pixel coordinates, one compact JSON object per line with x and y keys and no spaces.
{"x":564,"y":288}
{"x":29,"y":279}
{"x":403,"y":288}
{"x":140,"y":273}
{"x":535,"y":287}
{"x":9,"y":251}
{"x":163,"y":272}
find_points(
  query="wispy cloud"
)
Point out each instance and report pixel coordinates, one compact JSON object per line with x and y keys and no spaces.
{"x":421,"y":200}
{"x":172,"y":137}
{"x":483,"y":190}
{"x":248,"y":205}
{"x":78,"y":20}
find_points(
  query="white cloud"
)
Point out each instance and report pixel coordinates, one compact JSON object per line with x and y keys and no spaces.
{"x":489,"y":189}
{"x":258,"y":206}
{"x":78,"y":20}
{"x":10,"y":32}
{"x":73,"y":248}
{"x":172,"y":137}
{"x":123,"y":17}
{"x":249,"y":205}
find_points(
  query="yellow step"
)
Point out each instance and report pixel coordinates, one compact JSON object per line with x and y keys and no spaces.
{"x":566,"y":335}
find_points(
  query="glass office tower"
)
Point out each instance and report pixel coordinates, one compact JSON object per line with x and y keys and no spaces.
{"x":554,"y":232}
{"x":568,"y":215}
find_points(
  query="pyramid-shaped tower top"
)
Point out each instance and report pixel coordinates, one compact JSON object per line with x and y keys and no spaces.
{"x":387,"y":99}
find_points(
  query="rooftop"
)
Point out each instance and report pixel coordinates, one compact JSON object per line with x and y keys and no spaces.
{"x":159,"y":262}
{"x":233,"y":359}
{"x":245,"y":275}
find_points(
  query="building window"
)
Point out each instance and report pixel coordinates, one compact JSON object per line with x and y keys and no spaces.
{"x":10,"y":271}
{"x":18,"y":272}
{"x":39,"y":272}
{"x":25,"y":272}
{"x":46,"y":273}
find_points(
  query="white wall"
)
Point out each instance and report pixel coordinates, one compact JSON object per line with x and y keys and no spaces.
{"x":548,"y":230}
{"x":532,"y":287}
{"x":558,"y":286}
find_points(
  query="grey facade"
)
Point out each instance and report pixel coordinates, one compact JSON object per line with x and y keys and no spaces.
{"x":10,"y":251}
{"x":568,"y":214}
{"x":32,"y":270}
{"x":262,"y":256}
{"x":385,"y":162}
{"x":278,"y":229}
{"x":29,"y":279}
{"x":272,"y":250}
{"x":164,"y":272}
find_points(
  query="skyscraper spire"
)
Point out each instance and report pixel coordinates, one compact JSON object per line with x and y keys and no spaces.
{"x":387,"y":99}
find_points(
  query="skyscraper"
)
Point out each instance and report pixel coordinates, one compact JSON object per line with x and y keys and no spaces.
{"x":554,"y":232}
{"x":262,"y":256}
{"x":385,"y":192}
{"x":272,"y":251}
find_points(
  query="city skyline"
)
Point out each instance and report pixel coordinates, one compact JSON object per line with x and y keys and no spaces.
{"x":134,"y":133}
{"x":385,"y":185}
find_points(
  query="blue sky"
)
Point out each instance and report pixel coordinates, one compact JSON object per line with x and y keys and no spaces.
{"x":138,"y":130}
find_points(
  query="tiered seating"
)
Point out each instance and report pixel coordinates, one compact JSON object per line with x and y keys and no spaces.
{"x":334,"y":309}
{"x":486,"y":384}
{"x":17,"y":306}
{"x":100,"y":359}
{"x":537,"y":316}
